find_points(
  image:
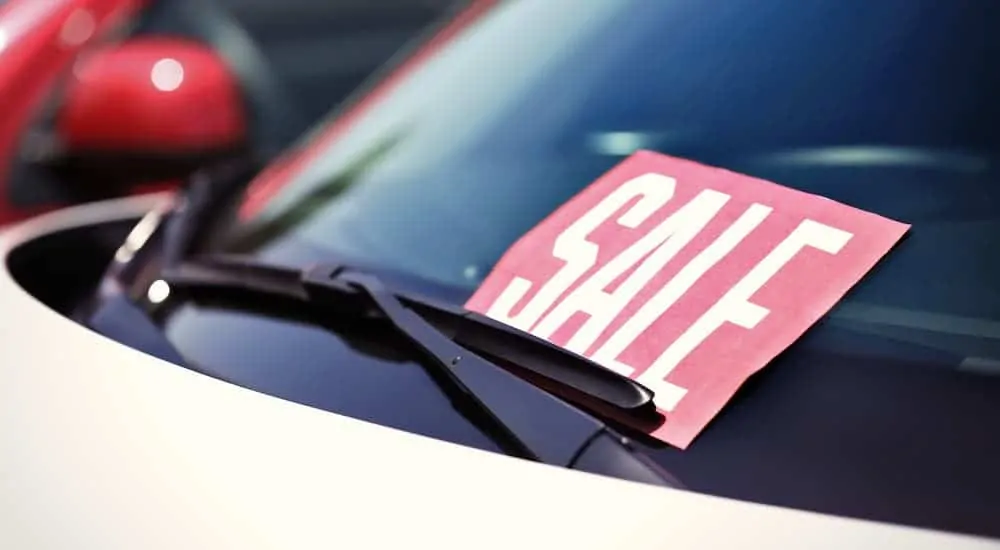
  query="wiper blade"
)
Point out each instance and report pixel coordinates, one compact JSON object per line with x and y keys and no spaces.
{"x":571,"y":376}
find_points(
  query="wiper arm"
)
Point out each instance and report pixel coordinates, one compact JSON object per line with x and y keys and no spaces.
{"x":579,"y":376}
{"x":438,"y":332}
{"x":450,"y":360}
{"x":203,"y":192}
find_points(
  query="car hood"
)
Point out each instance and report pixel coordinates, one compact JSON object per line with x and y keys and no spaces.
{"x":107,"y":447}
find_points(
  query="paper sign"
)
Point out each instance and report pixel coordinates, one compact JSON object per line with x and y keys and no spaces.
{"x":684,"y":277}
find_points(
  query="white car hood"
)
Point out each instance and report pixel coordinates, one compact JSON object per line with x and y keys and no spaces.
{"x":104,"y":447}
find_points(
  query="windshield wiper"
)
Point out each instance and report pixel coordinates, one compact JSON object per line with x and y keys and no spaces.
{"x":336,"y":285}
{"x":451,"y":339}
{"x":202,"y":194}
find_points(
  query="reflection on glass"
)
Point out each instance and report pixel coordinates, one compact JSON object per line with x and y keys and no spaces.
{"x":303,"y":208}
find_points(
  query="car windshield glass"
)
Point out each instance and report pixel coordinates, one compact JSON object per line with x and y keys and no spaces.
{"x":890,"y":108}
{"x":885,"y":105}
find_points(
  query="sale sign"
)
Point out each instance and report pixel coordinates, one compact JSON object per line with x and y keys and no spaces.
{"x":684,"y":277}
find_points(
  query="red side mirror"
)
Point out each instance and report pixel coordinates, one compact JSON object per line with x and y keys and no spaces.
{"x":160,"y":105}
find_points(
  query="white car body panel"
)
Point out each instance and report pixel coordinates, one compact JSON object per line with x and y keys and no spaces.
{"x":104,"y":447}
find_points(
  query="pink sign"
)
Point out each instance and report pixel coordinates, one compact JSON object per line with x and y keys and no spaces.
{"x":684,"y":277}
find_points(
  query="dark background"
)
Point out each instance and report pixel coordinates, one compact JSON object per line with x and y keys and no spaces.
{"x":322,"y":49}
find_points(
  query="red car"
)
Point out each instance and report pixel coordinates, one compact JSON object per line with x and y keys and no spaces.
{"x":102,"y":97}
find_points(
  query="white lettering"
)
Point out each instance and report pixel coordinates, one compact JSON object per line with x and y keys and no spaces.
{"x":735,"y":306}
{"x":658,"y":247}
{"x":607,"y":355}
{"x":653,"y":191}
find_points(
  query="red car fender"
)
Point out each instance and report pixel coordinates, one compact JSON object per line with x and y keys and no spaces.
{"x":38,"y":41}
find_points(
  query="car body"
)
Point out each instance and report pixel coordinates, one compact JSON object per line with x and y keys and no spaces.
{"x":41,"y":40}
{"x":130,"y":451}
{"x":878,"y":423}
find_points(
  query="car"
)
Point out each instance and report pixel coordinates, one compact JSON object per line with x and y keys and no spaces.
{"x":301,"y":355}
{"x":266,"y":45}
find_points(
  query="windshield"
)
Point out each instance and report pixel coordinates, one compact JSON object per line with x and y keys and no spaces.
{"x":538,"y":98}
{"x":886,"y":105}
{"x":890,"y":109}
